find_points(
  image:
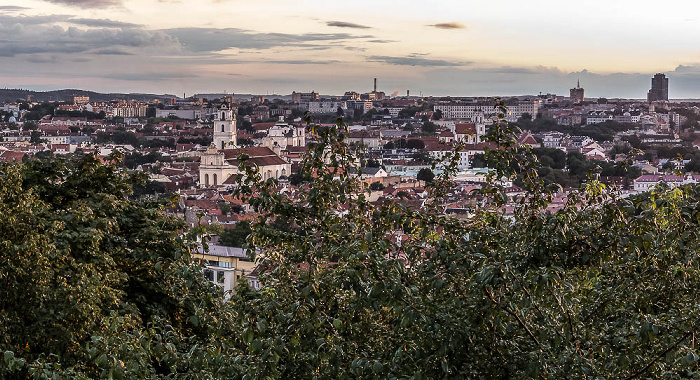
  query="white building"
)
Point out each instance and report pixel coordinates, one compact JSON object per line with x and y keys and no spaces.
{"x":225,"y":133}
{"x":282,"y":135}
{"x":218,"y":166}
{"x":326,"y":107}
{"x":649,"y":181}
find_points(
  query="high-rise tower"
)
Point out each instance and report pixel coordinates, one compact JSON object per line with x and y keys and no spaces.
{"x":659,"y":88}
{"x":225,"y":134}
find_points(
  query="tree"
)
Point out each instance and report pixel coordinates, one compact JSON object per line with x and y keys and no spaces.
{"x":36,"y":138}
{"x":236,"y":236}
{"x":428,"y":128}
{"x":425,"y":175}
{"x":376,"y":186}
{"x":490,"y":297}
{"x":415,"y":144}
{"x":604,"y":286}
{"x":95,"y":284}
{"x":29,"y":126}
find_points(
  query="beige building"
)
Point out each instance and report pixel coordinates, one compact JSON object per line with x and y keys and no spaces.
{"x":225,"y":266}
{"x":218,"y":165}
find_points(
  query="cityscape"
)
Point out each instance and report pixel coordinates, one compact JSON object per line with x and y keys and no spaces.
{"x":294,"y":191}
{"x":190,"y":146}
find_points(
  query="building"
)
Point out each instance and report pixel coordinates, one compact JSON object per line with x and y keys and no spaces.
{"x":659,"y":88}
{"x":225,"y":266}
{"x":304,"y":97}
{"x":576,"y":94}
{"x":76,"y":99}
{"x":282,"y":135}
{"x":218,"y":166}
{"x":326,"y":107}
{"x":225,"y":134}
{"x":649,"y":181}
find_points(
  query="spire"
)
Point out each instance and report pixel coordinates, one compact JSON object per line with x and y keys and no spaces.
{"x":578,"y":83}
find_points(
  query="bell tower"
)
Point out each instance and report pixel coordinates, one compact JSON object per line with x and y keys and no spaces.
{"x":225,"y":135}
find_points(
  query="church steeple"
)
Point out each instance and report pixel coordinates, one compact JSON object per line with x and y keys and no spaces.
{"x":225,"y":134}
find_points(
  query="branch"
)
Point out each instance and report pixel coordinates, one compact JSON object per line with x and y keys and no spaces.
{"x":520,"y":321}
{"x":661,"y":355}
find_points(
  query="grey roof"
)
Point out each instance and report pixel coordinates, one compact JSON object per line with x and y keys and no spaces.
{"x":224,"y":251}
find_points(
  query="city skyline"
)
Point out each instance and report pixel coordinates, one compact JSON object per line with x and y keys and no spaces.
{"x":452,"y":48}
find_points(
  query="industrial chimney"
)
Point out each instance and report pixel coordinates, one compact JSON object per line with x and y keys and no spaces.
{"x":408,"y":93}
{"x":375,"y":84}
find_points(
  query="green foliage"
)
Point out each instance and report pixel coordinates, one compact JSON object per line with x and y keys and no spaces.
{"x":376,"y":186}
{"x":604,"y":287}
{"x":428,"y":128}
{"x":36,"y":138}
{"x":236,"y":236}
{"x":95,"y":285}
{"x":426,"y":175}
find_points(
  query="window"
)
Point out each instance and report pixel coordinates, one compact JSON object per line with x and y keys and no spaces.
{"x":214,"y":179}
{"x":222,"y":128}
{"x":209,"y":274}
{"x":220,"y":276}
{"x":206,"y":180}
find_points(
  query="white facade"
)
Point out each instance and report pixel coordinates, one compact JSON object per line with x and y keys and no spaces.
{"x":326,"y":107}
{"x":225,"y":133}
{"x":281,"y":135}
{"x":472,"y":111}
{"x":217,"y":166}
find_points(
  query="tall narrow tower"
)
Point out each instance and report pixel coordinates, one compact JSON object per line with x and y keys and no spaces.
{"x":225,"y":134}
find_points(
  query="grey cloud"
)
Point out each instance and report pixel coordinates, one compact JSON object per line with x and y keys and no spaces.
{"x":102,"y":23}
{"x":7,"y":20}
{"x":303,"y":62}
{"x":55,"y":39}
{"x":448,"y":25}
{"x":381,"y":41}
{"x":159,"y":76}
{"x":112,"y":52}
{"x":412,"y":60}
{"x":200,"y":40}
{"x":12,"y":8}
{"x":87,"y":3}
{"x":42,"y":59}
{"x":343,"y":24}
{"x":492,"y":82}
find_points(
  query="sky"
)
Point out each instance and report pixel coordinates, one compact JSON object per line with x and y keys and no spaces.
{"x":456,"y":48}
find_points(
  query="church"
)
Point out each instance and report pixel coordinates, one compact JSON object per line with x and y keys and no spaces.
{"x":220,"y":161}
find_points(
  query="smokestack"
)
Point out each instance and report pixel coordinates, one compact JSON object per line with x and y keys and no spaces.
{"x":375,"y":84}
{"x":408,"y":93}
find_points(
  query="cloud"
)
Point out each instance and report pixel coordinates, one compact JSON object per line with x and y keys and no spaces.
{"x":102,"y":23}
{"x":413,"y":60}
{"x":42,"y":59}
{"x":302,"y":62}
{"x":343,"y":24}
{"x":7,"y":20}
{"x":54,"y":39}
{"x":87,"y":3}
{"x":153,"y":76}
{"x":12,"y":8}
{"x":112,"y":51}
{"x":198,"y":40}
{"x":448,"y":25}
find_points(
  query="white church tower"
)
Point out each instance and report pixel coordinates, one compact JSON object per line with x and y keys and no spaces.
{"x":225,"y":129}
